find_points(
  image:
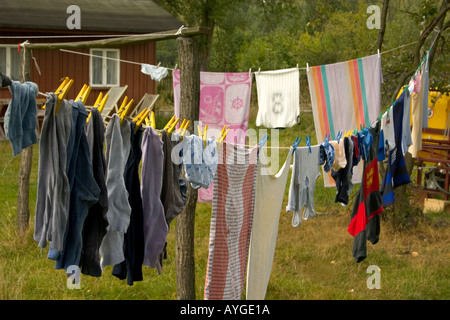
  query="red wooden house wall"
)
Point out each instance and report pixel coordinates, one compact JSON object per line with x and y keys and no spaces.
{"x":54,"y":65}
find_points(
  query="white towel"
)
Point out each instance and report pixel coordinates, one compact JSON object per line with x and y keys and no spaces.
{"x":268,"y":201}
{"x":278,"y":98}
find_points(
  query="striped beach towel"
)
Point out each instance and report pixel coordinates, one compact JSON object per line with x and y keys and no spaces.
{"x":344,"y":96}
{"x":231,"y":222}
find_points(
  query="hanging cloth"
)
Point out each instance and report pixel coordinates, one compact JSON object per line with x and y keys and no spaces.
{"x":419,"y":108}
{"x":305,"y":172}
{"x":131,"y":267}
{"x":95,"y":225}
{"x":154,"y":220}
{"x":53,"y":190}
{"x":278,"y":98}
{"x":345,"y":95}
{"x":84,"y":191}
{"x":231,"y":222}
{"x":21,"y":116}
{"x":396,"y":173}
{"x":365,"y":219}
{"x":269,"y":194}
{"x":224,"y":101}
{"x":117,"y":151}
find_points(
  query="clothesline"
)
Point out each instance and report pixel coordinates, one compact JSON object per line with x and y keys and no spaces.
{"x":109,"y":58}
{"x":172,"y":69}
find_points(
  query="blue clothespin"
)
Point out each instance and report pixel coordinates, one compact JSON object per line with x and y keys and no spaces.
{"x":262,"y":141}
{"x":308,"y":142}
{"x":339,"y":136}
{"x":296,"y":142}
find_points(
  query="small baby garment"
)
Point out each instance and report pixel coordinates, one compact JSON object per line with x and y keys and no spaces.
{"x":155,"y":72}
{"x":305,"y":172}
{"x":278,"y":98}
{"x":200,"y":162}
{"x":326,"y":156}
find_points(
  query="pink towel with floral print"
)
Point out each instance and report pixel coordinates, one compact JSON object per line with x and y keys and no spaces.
{"x":224,"y":101}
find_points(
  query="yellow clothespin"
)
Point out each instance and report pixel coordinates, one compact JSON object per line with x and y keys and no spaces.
{"x":62,"y":85}
{"x":141,"y":119}
{"x":102,"y":104}
{"x":152,"y":120}
{"x":81,"y":92}
{"x":172,"y":126}
{"x":167,"y":126}
{"x":125,"y":111}
{"x":222,"y":135}
{"x":122,"y":106}
{"x":204,"y":134}
{"x":183,"y":129}
{"x":63,"y":94}
{"x":139,"y":116}
{"x":99,"y":104}
{"x":182,"y":125}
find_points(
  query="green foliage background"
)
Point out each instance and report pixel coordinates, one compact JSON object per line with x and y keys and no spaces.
{"x":274,"y":34}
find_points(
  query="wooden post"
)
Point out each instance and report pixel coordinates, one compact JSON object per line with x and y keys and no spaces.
{"x":23,"y":210}
{"x":189,"y":109}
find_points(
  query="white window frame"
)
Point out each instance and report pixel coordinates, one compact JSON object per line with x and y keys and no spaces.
{"x":104,"y":68}
{"x":8,"y":58}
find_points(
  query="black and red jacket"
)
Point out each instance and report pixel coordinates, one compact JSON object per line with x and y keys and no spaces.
{"x":365,"y":219}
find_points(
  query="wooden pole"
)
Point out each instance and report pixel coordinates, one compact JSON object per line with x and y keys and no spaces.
{"x":23,"y":210}
{"x":120,"y":41}
{"x":189,"y":109}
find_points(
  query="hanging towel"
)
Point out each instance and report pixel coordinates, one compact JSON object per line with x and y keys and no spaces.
{"x":278,"y":98}
{"x":53,"y":188}
{"x":269,"y":194}
{"x":344,"y":96}
{"x":231,"y":222}
{"x":224,"y":101}
{"x":117,"y":151}
{"x":95,"y":225}
{"x":155,"y":225}
{"x":21,"y":116}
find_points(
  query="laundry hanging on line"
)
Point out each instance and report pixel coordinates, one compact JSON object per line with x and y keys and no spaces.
{"x":224,"y":101}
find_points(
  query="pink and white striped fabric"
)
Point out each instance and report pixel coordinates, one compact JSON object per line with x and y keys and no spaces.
{"x":231,"y":222}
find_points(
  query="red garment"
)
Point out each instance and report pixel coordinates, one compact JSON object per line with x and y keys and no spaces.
{"x":365,"y":223}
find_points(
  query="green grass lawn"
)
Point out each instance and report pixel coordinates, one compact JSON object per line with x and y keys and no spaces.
{"x":312,"y":261}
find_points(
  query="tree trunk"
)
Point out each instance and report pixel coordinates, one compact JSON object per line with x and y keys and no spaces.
{"x":23,"y":210}
{"x":189,"y":102}
{"x":383,"y":25}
